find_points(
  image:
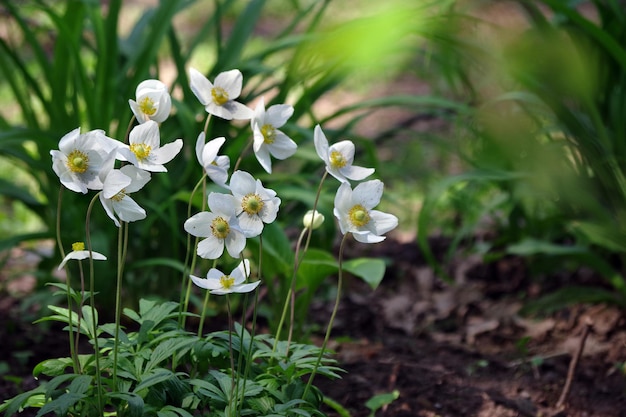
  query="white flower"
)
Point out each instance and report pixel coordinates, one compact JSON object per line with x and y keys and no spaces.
{"x":79,"y":253}
{"x":216,"y":166}
{"x":268,"y":139}
{"x":219,"y":99}
{"x":256,"y":204}
{"x":219,"y":283}
{"x":115,"y":195}
{"x":145,"y":150}
{"x":153,"y":101}
{"x":81,"y":157}
{"x":220,"y":227}
{"x":338,"y":158}
{"x":312,"y":219}
{"x":353,"y":209}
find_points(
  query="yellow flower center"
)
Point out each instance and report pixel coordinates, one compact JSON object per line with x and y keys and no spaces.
{"x":220,"y":96}
{"x":227,"y":281}
{"x":220,"y":228}
{"x":337,"y":160}
{"x":252,"y":204}
{"x":119,"y":196}
{"x":77,"y":161}
{"x":269,"y":134}
{"x":146,"y":105}
{"x":141,"y":150}
{"x":76,"y":246}
{"x":359,"y":216}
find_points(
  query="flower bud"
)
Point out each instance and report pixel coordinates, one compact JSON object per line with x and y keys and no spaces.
{"x":313,"y":219}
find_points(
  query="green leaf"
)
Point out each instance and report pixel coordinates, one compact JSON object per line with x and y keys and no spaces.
{"x":231,"y":53}
{"x":134,"y":401}
{"x":61,"y":405}
{"x":530,"y":246}
{"x":601,"y":235}
{"x":154,"y":377}
{"x":370,"y":270}
{"x":380,"y":400}
{"x":33,"y":397}
{"x":53,"y":367}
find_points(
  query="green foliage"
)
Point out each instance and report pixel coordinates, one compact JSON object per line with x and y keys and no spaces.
{"x":166,"y":371}
{"x":547,"y":140}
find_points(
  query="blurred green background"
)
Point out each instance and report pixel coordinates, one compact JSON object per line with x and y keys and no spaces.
{"x":498,"y":125}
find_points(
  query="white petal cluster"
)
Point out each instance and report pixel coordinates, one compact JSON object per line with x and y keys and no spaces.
{"x":115,"y":196}
{"x":256,"y":205}
{"x":338,"y":158}
{"x":354,"y":211}
{"x":81,"y":157}
{"x":219,"y":227}
{"x":152,"y":101}
{"x":79,"y":253}
{"x":268,"y":138}
{"x":220,"y":284}
{"x":145,"y":150}
{"x":216,"y":166}
{"x":218,"y":98}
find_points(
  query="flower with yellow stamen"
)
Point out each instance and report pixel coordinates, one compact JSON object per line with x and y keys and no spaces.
{"x":338,"y":158}
{"x":219,"y":227}
{"x":219,"y":98}
{"x":268,"y":138}
{"x":152,"y":102}
{"x":257,"y":205}
{"x":219,"y":283}
{"x":354,"y":211}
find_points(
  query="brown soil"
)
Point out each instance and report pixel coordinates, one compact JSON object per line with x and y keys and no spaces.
{"x":460,"y":349}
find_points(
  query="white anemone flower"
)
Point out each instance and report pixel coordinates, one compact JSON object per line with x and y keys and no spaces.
{"x":219,"y":283}
{"x":81,"y":158}
{"x":115,"y":196}
{"x":338,"y":158}
{"x":268,"y":138}
{"x":216,"y":166}
{"x":353,"y":209}
{"x":256,"y":204}
{"x":153,"y":101}
{"x":219,"y":227}
{"x":145,"y":150}
{"x":79,"y":253}
{"x":218,"y":98}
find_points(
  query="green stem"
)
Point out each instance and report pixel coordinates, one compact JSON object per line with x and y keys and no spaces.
{"x":184,"y":303}
{"x":122,"y":244}
{"x":75,"y":362}
{"x":94,"y":322}
{"x":252,"y":333}
{"x":296,"y":266}
{"x":242,"y":154}
{"x":230,"y":349}
{"x":204,"y":305}
{"x":332,"y":317}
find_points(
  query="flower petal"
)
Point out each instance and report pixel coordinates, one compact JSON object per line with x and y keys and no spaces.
{"x":356,"y":173}
{"x":138,"y":178}
{"x":243,"y":288}
{"x":200,"y":86}
{"x":222,"y":204}
{"x":278,"y":114}
{"x":199,"y":224}
{"x":283,"y":147}
{"x":128,"y":210}
{"x":368,"y":193}
{"x":263,"y":156}
{"x":382,"y":222}
{"x":235,"y":242}
{"x":167,"y":152}
{"x":207,"y":284}
{"x":115,"y":182}
{"x":231,"y":81}
{"x":251,"y":225}
{"x":321,"y":143}
{"x":210,"y":248}
{"x":242,"y":183}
